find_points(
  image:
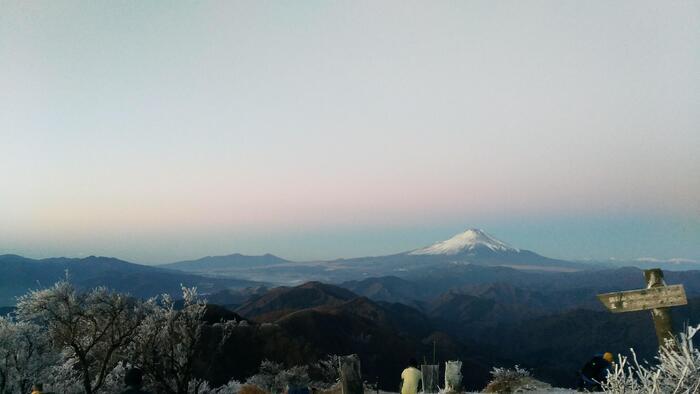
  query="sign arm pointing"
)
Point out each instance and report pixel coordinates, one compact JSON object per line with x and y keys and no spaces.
{"x":657,"y":297}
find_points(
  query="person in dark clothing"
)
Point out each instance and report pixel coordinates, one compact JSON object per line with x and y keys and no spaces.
{"x":595,"y":372}
{"x":134,"y":380}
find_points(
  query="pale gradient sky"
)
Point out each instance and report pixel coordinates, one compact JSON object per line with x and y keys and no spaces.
{"x":158,"y":131}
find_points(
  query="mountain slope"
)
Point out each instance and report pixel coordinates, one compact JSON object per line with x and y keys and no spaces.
{"x":384,"y":335}
{"x":281,"y":301}
{"x":388,"y":288}
{"x":303,"y":323}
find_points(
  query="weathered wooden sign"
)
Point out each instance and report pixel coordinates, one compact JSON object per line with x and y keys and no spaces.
{"x":644,"y":299}
{"x":657,"y":298}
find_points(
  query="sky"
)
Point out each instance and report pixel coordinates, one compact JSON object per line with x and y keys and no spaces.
{"x":161,"y":131}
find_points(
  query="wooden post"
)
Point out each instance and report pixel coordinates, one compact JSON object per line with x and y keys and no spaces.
{"x":431,"y":374}
{"x":662,"y":316}
{"x":350,"y":375}
{"x":453,"y":376}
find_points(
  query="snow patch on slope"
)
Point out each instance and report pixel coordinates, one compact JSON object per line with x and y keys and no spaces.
{"x":676,"y":260}
{"x":466,"y":241}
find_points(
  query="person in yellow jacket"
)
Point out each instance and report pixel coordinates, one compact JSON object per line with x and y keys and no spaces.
{"x":37,"y":388}
{"x":410,"y":377}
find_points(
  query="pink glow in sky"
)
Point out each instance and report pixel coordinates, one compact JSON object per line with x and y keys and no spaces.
{"x":131,"y":127}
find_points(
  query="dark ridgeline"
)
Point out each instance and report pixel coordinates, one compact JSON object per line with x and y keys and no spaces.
{"x":489,"y":327}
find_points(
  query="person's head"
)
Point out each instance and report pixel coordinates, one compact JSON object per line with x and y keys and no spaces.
{"x":413,"y":363}
{"x":37,"y":387}
{"x":133,"y":377}
{"x":608,"y":357}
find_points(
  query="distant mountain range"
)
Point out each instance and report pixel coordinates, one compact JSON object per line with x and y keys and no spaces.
{"x":572,"y":289}
{"x":20,"y":274}
{"x":472,"y":254}
{"x":216,"y":263}
{"x":471,"y":247}
{"x":676,"y":264}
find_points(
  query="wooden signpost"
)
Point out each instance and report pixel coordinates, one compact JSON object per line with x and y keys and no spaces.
{"x":657,"y":297}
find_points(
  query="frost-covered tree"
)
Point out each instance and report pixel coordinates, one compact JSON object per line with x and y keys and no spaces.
{"x":93,"y":329}
{"x":65,"y":376}
{"x":83,"y":342}
{"x":274,"y":378}
{"x":325,"y":373}
{"x":676,"y":370}
{"x":168,"y":342}
{"x":25,"y":355}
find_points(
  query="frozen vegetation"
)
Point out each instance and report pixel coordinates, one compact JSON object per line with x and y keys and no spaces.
{"x":513,"y":381}
{"x":84,"y":342}
{"x":77,"y":342}
{"x":675,"y":370}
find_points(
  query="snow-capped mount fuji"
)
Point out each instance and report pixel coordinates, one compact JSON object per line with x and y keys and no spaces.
{"x":476,"y":247}
{"x":466,"y":241}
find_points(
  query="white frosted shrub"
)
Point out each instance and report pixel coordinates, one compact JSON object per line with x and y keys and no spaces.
{"x":677,"y":369}
{"x":506,"y":380}
{"x":274,"y":379}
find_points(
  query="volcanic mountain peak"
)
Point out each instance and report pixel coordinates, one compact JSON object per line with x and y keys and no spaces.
{"x":466,"y":241}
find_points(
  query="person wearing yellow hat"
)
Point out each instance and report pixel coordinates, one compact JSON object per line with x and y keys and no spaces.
{"x":595,"y":372}
{"x":608,"y":357}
